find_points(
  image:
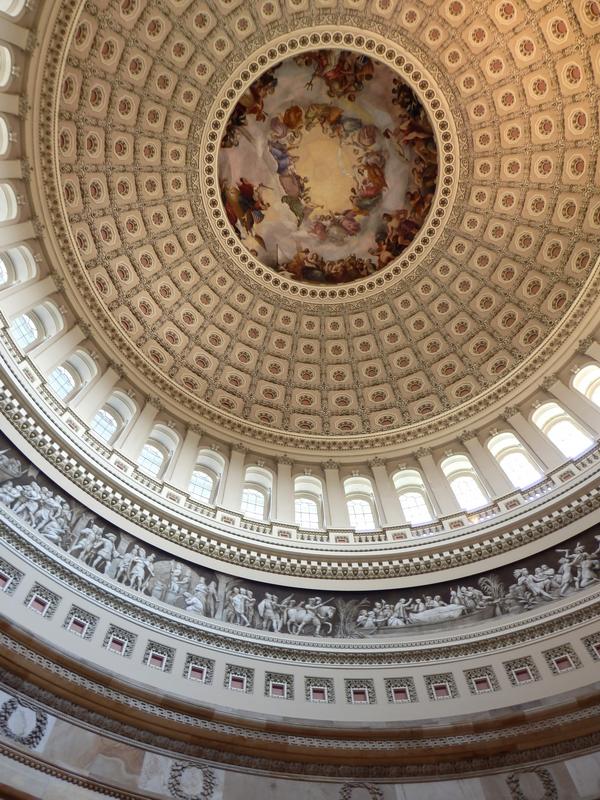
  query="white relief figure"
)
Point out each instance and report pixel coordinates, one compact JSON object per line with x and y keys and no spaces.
{"x":401,"y":613}
{"x":193,"y":603}
{"x":9,"y":493}
{"x":211,"y":599}
{"x":10,"y":465}
{"x":237,"y":606}
{"x":176,"y":584}
{"x":49,"y":506}
{"x":28,"y":503}
{"x":269,"y":612}
{"x":84,"y":546}
{"x":314,"y":613}
{"x":105,"y":552}
{"x":142,"y":570}
{"x":201,"y":594}
{"x":57,"y":528}
{"x":125,"y":562}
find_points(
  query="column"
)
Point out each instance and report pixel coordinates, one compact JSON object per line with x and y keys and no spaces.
{"x":441,"y":491}
{"x":27,"y":296}
{"x":284,"y":498}
{"x":15,"y":34}
{"x":22,"y":231}
{"x":542,"y":448}
{"x":576,"y":404}
{"x":390,"y":505}
{"x":10,"y":169}
{"x":336,"y":499}
{"x":95,"y":395}
{"x":593,"y":350}
{"x":57,"y":350}
{"x":139,"y":432}
{"x":179,"y":472}
{"x":487,"y":467}
{"x":234,"y":479}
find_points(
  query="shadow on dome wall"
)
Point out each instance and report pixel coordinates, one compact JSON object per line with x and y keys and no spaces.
{"x":27,"y":495}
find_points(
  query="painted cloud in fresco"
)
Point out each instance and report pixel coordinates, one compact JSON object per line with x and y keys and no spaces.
{"x":328,"y":166}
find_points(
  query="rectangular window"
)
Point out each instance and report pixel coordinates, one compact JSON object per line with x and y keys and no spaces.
{"x":4,"y":581}
{"x":400,"y":694}
{"x":197,"y":673}
{"x":78,"y":626}
{"x":278,"y":689}
{"x":237,"y":683}
{"x":116,"y":645}
{"x":522,"y":675}
{"x":596,"y":648}
{"x":156,"y":660}
{"x":441,"y":691}
{"x":318,"y":694}
{"x":360,"y":695}
{"x":38,"y":604}
{"x":563,"y":663}
{"x":482,"y":684}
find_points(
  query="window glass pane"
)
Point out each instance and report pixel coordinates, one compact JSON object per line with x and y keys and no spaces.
{"x":467,"y":492}
{"x":568,"y":438}
{"x":307,"y":512}
{"x":201,"y":485}
{"x":104,"y":424}
{"x":361,"y":514}
{"x":520,"y":470}
{"x":253,"y":504}
{"x":61,"y":382}
{"x":151,"y":459}
{"x":415,"y":508}
{"x":23,"y":331}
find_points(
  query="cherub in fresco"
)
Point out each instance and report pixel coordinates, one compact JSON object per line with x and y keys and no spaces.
{"x":245,"y":206}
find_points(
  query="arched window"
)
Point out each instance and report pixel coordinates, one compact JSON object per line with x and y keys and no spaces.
{"x":112,"y":418}
{"x":5,"y":65}
{"x":587,"y":381}
{"x":256,"y":493}
{"x":104,"y":424}
{"x":151,"y":459}
{"x":561,"y":429}
{"x":207,"y":474}
{"x":201,"y":485}
{"x":158,"y":450}
{"x":12,"y":8}
{"x":412,"y":495}
{"x":5,"y":136}
{"x":514,"y":460}
{"x":253,"y":503}
{"x":360,"y":503}
{"x":17,"y":264}
{"x":24,"y":331}
{"x":308,"y":502}
{"x":9,"y":206}
{"x":464,"y":482}
{"x":62,"y":382}
{"x":306,"y":513}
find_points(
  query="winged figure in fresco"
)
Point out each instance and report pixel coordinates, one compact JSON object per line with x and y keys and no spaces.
{"x":245,"y":206}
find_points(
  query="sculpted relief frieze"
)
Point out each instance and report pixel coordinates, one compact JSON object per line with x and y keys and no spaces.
{"x":29,"y":498}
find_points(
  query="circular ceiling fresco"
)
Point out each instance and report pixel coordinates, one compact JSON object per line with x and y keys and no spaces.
{"x":328,"y":166}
